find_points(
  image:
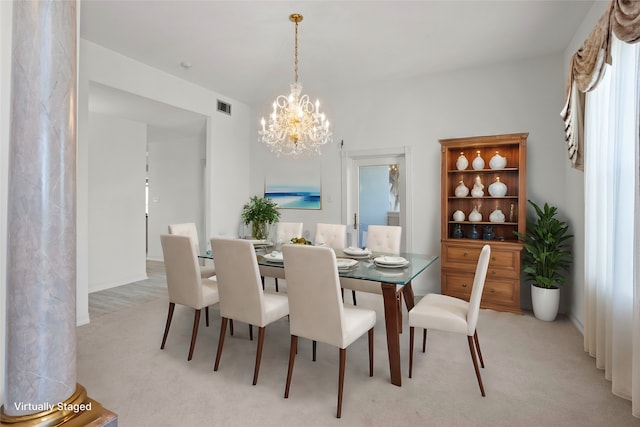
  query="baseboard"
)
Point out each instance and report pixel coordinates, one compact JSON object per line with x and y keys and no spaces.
{"x":82,"y":319}
{"x":96,"y":287}
{"x":577,"y":323}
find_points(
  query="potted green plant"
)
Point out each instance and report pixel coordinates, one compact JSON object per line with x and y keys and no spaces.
{"x":547,"y":257}
{"x":259,"y":212}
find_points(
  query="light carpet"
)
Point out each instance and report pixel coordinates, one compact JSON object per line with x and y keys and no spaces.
{"x":536,"y":375}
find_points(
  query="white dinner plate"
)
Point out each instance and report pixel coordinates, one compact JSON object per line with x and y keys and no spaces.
{"x":274,"y":257}
{"x":391,"y":261}
{"x":357,"y":252}
{"x":346,"y":263}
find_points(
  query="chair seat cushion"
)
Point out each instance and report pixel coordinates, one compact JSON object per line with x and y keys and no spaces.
{"x":357,"y":321}
{"x":210,"y":294}
{"x":275,"y":307}
{"x":441,"y":312}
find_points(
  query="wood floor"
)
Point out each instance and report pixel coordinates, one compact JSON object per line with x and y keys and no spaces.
{"x":115,"y":299}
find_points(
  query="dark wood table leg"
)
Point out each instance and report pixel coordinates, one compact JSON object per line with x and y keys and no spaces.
{"x":407,"y":293}
{"x":389,"y":296}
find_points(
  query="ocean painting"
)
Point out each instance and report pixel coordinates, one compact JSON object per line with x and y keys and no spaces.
{"x":294,"y":196}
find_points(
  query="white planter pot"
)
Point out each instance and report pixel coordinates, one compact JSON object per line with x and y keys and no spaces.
{"x":545,"y":303}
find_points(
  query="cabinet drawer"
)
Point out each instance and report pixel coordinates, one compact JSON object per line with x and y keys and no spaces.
{"x":467,"y":256}
{"x":496,"y":291}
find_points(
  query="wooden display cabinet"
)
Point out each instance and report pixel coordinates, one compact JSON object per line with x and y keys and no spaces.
{"x":460,"y":254}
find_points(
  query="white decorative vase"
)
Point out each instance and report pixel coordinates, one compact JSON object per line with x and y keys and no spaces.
{"x":458,"y":216}
{"x":474,"y":215}
{"x":477,"y":190}
{"x":496,"y":216}
{"x":478,"y":163}
{"x":461,"y":190}
{"x":462,"y":163}
{"x":498,"y":162}
{"x":498,"y":189}
{"x":545,"y":303}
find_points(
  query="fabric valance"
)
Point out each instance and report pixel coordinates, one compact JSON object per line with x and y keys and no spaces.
{"x":586,"y":68}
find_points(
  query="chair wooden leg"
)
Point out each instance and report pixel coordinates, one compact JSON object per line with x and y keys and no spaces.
{"x":475,"y":338}
{"x":231,"y":327}
{"x":411,"y":331}
{"x":256,"y":370}
{"x":475,"y":364}
{"x":172,"y":306}
{"x":277,"y":285}
{"x":206,"y":315}
{"x":314,"y":351}
{"x":370,"y":337}
{"x":343,"y":361}
{"x":292,"y":357}
{"x":353,"y":295}
{"x":424,"y":340}
{"x":194,"y":334}
{"x":223,"y":331}
{"x":250,"y":332}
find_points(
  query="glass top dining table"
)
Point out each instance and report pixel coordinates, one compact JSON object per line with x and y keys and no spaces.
{"x":393,"y":283}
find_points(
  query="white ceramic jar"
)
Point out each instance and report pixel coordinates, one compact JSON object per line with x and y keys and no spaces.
{"x":461,"y":190}
{"x":474,"y":215}
{"x":498,"y":161}
{"x":478,"y":163}
{"x":458,"y":216}
{"x":498,"y":189}
{"x":462,"y":163}
{"x":477,"y":190}
{"x":496,"y":216}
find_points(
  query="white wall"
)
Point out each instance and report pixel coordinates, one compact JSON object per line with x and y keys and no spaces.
{"x":176,"y":188}
{"x":117,"y":155}
{"x":523,"y":96}
{"x":5,"y":88}
{"x":227,"y":143}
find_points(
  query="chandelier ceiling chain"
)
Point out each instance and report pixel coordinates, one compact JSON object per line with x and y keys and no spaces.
{"x":296,"y":127}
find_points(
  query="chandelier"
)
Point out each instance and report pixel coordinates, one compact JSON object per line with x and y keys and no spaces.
{"x":296,"y":127}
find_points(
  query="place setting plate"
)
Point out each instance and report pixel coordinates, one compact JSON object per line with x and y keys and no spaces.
{"x":386,"y":261}
{"x":345,"y":264}
{"x":275,"y":257}
{"x":357,"y":253}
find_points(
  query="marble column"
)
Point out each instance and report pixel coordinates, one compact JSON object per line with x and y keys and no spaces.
{"x":41,"y":247}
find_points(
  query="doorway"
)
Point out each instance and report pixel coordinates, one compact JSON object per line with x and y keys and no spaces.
{"x":375,"y":189}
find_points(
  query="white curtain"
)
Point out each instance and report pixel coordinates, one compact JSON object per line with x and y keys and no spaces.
{"x":612,"y":223}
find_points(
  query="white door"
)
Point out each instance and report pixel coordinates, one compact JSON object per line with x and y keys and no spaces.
{"x":375,"y":192}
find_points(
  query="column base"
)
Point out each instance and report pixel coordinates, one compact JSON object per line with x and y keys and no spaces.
{"x":77,"y":410}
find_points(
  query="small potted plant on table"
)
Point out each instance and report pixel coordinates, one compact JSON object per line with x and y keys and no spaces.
{"x":546,"y":258}
{"x":260,"y":212}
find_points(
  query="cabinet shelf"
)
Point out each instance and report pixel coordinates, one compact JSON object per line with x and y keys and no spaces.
{"x":459,"y":255}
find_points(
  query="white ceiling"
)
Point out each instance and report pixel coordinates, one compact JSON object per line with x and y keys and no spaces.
{"x":244,"y":49}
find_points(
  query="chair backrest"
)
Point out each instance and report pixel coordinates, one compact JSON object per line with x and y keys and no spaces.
{"x":478,"y":287}
{"x":285,"y":231}
{"x":183,"y":274}
{"x":313,"y":287}
{"x":239,"y":283}
{"x":187,"y":229}
{"x":384,"y":238}
{"x":331,"y":235}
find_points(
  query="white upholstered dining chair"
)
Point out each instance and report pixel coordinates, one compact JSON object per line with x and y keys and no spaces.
{"x":450,"y":314}
{"x":331,"y":235}
{"x":285,"y":231}
{"x":383,"y":239}
{"x":241,"y":294}
{"x":184,"y":283}
{"x":316,"y":308}
{"x":189,"y":229}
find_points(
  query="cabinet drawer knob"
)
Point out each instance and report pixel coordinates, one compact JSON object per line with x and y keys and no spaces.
{"x":493,"y":272}
{"x":465,"y":254}
{"x":464,"y":285}
{"x":493,"y":258}
{"x":493,"y":291}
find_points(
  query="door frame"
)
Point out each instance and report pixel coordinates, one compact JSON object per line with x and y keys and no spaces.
{"x":350,"y":162}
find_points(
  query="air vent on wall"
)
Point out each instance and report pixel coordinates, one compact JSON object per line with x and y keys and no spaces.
{"x":224,"y":107}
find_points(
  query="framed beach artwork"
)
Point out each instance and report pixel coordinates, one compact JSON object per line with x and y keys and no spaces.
{"x":297,"y":192}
